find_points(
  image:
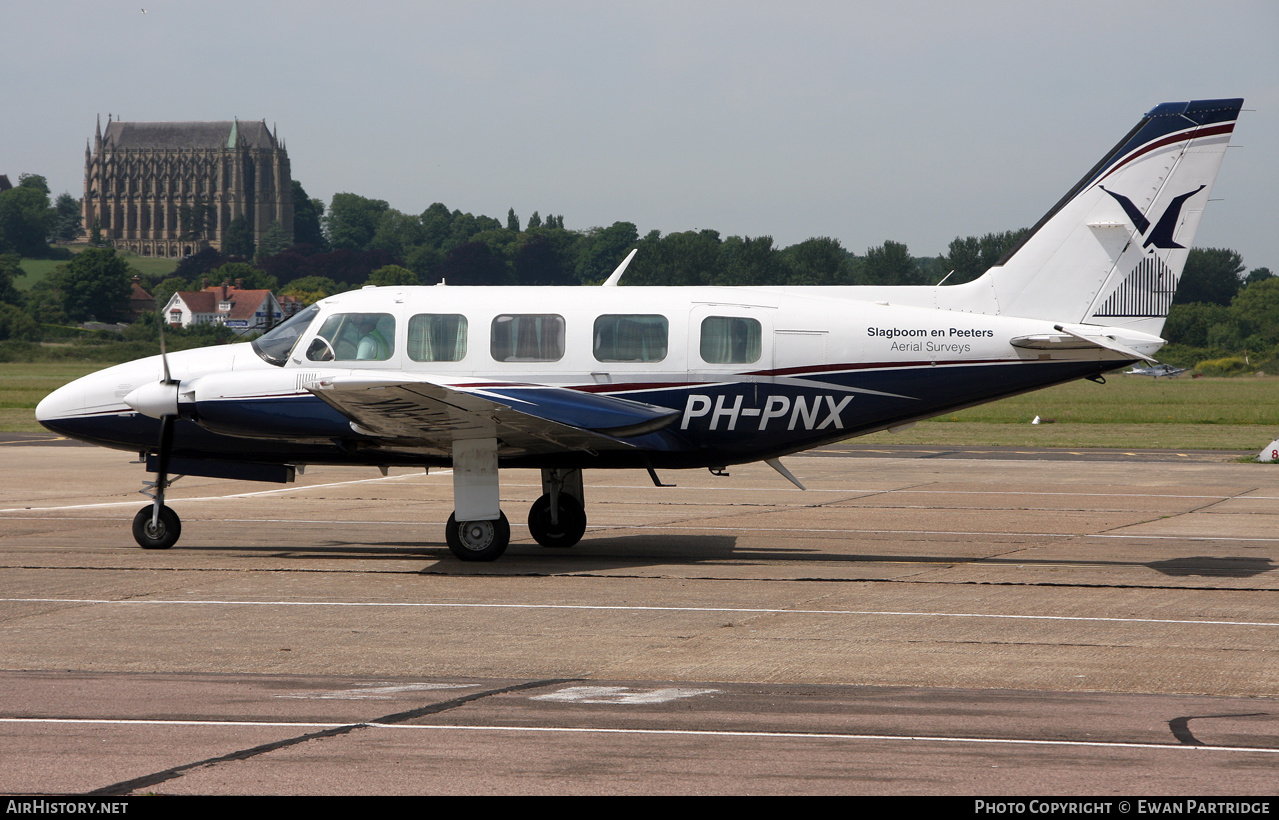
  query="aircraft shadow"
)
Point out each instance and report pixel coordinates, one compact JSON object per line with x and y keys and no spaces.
{"x":647,"y":550}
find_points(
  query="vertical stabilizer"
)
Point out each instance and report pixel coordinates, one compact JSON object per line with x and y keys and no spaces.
{"x":1112,"y":250}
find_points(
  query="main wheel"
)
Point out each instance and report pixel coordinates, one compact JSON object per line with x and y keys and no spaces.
{"x":478,"y":540}
{"x":162,"y":535}
{"x":571,"y":526}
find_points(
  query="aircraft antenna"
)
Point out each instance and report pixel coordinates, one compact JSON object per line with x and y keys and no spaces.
{"x":616,"y":275}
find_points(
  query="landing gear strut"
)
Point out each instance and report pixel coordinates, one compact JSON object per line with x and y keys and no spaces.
{"x":557,"y":519}
{"x":478,"y":530}
{"x":157,"y":527}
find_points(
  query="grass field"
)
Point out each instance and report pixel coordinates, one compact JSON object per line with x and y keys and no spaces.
{"x":35,"y":270}
{"x":1128,"y":411}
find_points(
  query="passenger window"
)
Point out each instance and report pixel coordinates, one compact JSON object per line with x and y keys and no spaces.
{"x":730,"y":340}
{"x":528,"y":338}
{"x":348,"y":337}
{"x":637,"y":338}
{"x":437,"y":337}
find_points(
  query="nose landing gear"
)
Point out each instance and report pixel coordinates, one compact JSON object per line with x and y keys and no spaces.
{"x":156,"y":531}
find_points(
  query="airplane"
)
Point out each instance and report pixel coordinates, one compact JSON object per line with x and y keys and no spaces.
{"x":1156,"y":371}
{"x":564,"y":379}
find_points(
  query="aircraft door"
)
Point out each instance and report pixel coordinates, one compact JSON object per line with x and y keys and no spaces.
{"x":729,"y":339}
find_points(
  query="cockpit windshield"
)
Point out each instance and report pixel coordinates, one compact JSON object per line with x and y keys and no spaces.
{"x":275,"y":346}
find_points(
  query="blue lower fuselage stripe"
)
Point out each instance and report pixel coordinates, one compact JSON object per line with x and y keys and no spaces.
{"x":717,"y":423}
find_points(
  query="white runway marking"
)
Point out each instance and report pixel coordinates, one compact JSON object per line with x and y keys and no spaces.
{"x":601,"y":608}
{"x":624,"y":695}
{"x":293,"y":489}
{"x":824,"y":736}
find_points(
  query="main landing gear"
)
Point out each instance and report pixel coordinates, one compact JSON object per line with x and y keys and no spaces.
{"x":478,"y":530}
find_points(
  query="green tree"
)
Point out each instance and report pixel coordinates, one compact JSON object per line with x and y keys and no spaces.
{"x":67,"y":218}
{"x":681,"y":258}
{"x":238,"y":239}
{"x":534,"y":221}
{"x":307,"y":220}
{"x":971,"y":256}
{"x":392,"y":275}
{"x":10,"y":269}
{"x":310,"y":289}
{"x":398,"y":234}
{"x":165,"y":290}
{"x":890,"y":264}
{"x":750,"y":261}
{"x":1211,"y":276}
{"x":35,"y":182}
{"x":352,"y":221}
{"x":26,"y":220}
{"x":1256,"y":308}
{"x":15,"y":324}
{"x":1190,"y":324}
{"x":513,"y":221}
{"x":1257,"y":275}
{"x":817,"y":261}
{"x":437,"y":225}
{"x":275,"y":240}
{"x":248,"y":276}
{"x":474,"y":263}
{"x":44,"y":302}
{"x":600,"y":250}
{"x":539,"y":260}
{"x":95,"y":285}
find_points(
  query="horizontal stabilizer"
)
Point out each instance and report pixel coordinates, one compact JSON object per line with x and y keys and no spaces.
{"x":1065,"y":339}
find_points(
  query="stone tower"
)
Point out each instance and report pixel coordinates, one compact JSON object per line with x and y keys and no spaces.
{"x":172,"y":188}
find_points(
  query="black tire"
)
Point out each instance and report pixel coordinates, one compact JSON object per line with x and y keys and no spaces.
{"x":160,"y":537}
{"x":567,"y":532}
{"x":478,"y":540}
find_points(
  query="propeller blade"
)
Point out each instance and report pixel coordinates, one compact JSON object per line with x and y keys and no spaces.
{"x":164,"y":354}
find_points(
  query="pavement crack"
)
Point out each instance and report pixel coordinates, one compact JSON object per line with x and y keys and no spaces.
{"x":129,"y":786}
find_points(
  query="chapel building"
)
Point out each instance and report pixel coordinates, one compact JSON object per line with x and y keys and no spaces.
{"x":173,"y":188}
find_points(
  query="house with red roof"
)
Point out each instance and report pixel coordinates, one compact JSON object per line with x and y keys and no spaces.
{"x":242,"y":310}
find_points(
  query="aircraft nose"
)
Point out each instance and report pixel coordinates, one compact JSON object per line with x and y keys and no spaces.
{"x":65,"y":402}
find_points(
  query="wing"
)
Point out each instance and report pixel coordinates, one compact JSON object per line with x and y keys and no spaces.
{"x":528,"y":419}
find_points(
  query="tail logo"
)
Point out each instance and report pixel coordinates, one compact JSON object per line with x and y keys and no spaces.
{"x":1147,"y":291}
{"x":1161,"y":236}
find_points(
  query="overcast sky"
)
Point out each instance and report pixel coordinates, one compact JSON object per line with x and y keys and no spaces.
{"x":910,"y":121}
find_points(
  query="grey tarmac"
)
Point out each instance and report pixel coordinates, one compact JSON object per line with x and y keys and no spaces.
{"x":908,"y":625}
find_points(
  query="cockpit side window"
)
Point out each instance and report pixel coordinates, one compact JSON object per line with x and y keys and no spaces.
{"x":346,"y":337}
{"x":276,"y":345}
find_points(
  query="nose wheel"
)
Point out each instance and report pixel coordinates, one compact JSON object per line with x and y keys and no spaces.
{"x":155,"y":531}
